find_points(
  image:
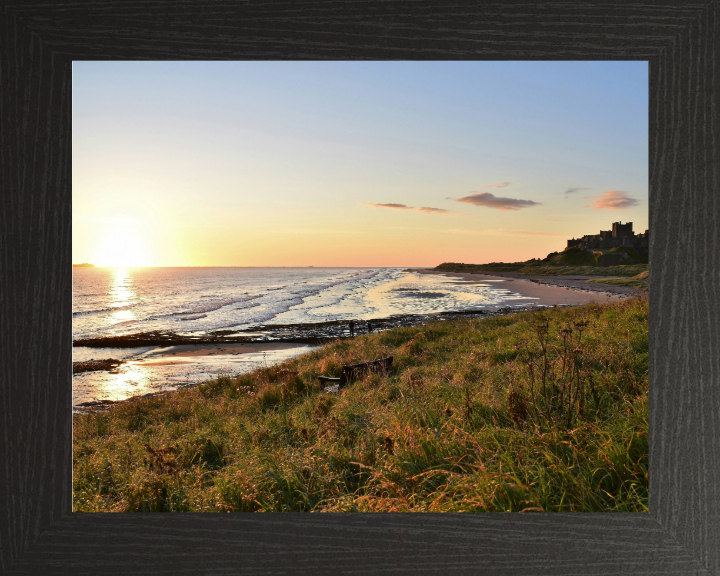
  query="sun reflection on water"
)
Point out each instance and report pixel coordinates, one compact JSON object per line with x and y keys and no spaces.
{"x":166,"y":372}
{"x":121,"y":296}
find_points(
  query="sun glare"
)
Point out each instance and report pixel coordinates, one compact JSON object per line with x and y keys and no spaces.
{"x":121,"y":246}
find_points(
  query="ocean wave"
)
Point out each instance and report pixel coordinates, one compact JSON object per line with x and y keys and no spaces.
{"x":89,"y":312}
{"x":102,"y":310}
{"x":205,"y":309}
{"x":210,"y":300}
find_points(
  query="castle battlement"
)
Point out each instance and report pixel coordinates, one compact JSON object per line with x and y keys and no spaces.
{"x":620,"y":235}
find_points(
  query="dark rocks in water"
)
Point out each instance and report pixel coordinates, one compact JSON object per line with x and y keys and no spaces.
{"x":93,"y":365}
{"x":464,"y":312}
{"x":317,"y":333}
{"x":142,"y":339}
{"x":102,"y":405}
{"x":95,"y":403}
{"x":421,"y":295}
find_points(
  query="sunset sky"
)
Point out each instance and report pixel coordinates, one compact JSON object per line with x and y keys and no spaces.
{"x":352,"y":163}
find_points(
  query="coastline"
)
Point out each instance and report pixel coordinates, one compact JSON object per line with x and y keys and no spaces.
{"x":165,"y":370}
{"x":433,"y":421}
{"x":229,"y":350}
{"x":266,"y":345}
{"x":549,"y":290}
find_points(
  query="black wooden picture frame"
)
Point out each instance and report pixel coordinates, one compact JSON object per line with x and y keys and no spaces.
{"x":38,"y":532}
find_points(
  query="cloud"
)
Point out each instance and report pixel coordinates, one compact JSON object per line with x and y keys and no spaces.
{"x":423,"y":209}
{"x":391,"y":205}
{"x":427,"y":210}
{"x":320,"y":231}
{"x":491,"y":201}
{"x":502,"y":232}
{"x":496,"y":185}
{"x":614,"y":200}
{"x":573,"y":190}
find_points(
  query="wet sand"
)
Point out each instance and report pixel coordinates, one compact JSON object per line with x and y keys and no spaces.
{"x":165,"y":369}
{"x":174,"y":366}
{"x":191,"y":353}
{"x":546,"y":290}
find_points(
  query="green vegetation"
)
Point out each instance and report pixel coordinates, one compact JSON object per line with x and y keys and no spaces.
{"x":569,"y":262}
{"x":629,"y":253}
{"x":570,"y":257}
{"x":539,"y":270}
{"x":638,"y":281}
{"x":539,"y":411}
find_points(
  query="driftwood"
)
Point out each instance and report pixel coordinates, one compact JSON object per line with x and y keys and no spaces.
{"x":352,"y":372}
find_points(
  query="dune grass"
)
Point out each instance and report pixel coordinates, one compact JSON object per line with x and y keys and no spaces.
{"x":641,"y":281}
{"x":525,"y":412}
{"x":539,"y":269}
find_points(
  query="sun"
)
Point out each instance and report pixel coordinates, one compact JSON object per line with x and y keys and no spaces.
{"x":121,"y":246}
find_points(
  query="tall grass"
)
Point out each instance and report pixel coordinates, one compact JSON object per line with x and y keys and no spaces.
{"x":524,"y":412}
{"x":641,"y":280}
{"x":539,"y":268}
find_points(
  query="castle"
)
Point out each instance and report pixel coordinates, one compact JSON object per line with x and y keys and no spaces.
{"x":620,"y":235}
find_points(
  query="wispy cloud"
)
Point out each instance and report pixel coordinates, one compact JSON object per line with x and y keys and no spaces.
{"x":491,"y":201}
{"x":428,"y":210}
{"x":573,"y":190}
{"x":495,"y":185}
{"x":502,"y":232}
{"x":391,"y":205}
{"x":320,"y":231}
{"x":614,"y":200}
{"x":423,"y":209}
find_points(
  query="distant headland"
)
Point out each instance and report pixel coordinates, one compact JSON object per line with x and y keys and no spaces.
{"x":84,"y":265}
{"x":616,"y":252}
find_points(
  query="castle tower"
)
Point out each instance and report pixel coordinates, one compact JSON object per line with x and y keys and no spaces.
{"x":620,"y":230}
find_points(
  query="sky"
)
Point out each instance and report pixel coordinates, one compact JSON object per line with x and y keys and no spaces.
{"x":353,"y":163}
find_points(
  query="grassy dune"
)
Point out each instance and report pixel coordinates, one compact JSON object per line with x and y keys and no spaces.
{"x":569,"y":262}
{"x":524,"y":412}
{"x":546,"y":270}
{"x":641,"y":281}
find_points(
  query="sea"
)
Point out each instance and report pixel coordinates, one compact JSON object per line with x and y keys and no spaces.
{"x":126,"y":301}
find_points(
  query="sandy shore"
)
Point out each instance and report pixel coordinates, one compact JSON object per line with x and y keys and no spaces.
{"x":174,"y":366}
{"x":545,"y":290}
{"x":191,"y":353}
{"x":166,"y":369}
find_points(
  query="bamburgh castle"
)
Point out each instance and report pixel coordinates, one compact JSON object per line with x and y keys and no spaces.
{"x":620,"y":235}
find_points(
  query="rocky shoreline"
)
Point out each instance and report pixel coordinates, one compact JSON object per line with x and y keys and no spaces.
{"x":316,"y":333}
{"x":93,"y":365}
{"x":102,"y":405}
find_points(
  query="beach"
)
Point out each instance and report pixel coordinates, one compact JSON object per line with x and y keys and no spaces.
{"x":115,"y":363}
{"x":546,"y":290}
{"x":166,"y":369}
{"x":464,"y":421}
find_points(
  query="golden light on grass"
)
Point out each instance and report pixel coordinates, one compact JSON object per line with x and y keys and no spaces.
{"x":122,"y":246}
{"x":524,"y":412}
